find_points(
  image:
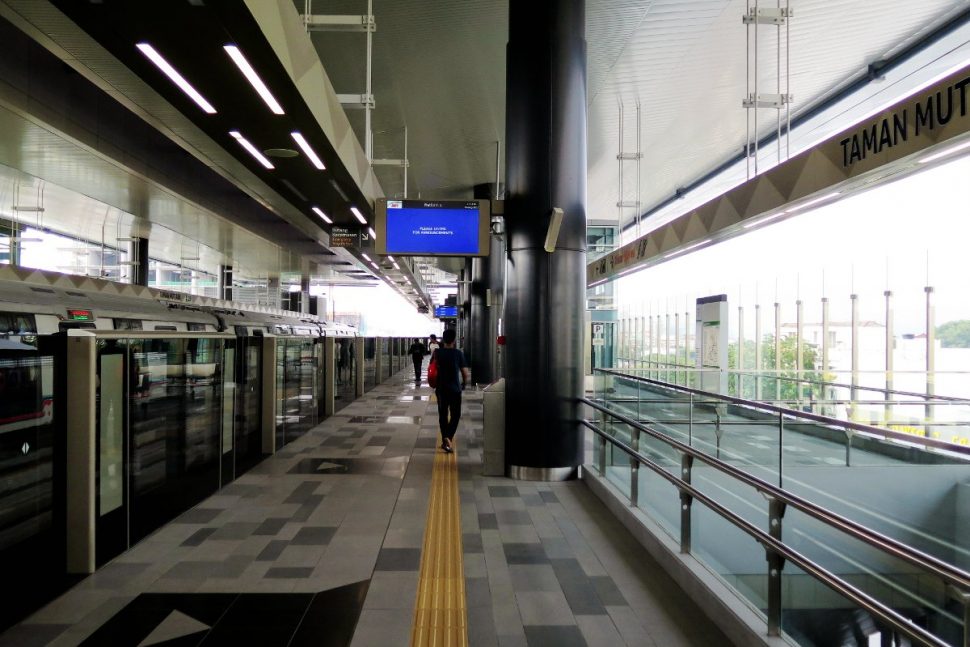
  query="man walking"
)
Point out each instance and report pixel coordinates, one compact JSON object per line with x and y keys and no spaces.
{"x":417,"y":351}
{"x":453,"y":375}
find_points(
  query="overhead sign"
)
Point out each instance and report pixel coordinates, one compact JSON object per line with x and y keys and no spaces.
{"x":859,"y":156}
{"x":344,"y":236}
{"x":433,"y":227}
{"x":80,"y":315}
{"x":446,"y":312}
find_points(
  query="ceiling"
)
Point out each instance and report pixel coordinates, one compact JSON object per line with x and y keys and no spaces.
{"x":439,"y":72}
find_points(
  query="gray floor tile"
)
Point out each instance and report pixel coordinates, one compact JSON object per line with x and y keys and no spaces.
{"x":487,"y":521}
{"x":290,"y":571}
{"x":544,"y":608}
{"x":313,"y":536}
{"x":270,"y":526}
{"x":554,"y":636}
{"x":533,"y":577}
{"x":607,"y":591}
{"x":398,"y":559}
{"x":524,"y":553}
{"x":199,"y":536}
{"x":198,"y":515}
{"x":272,"y":551}
{"x":496,"y":491}
{"x":234,"y":530}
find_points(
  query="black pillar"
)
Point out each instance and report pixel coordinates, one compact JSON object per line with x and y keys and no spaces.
{"x":545,"y":122}
{"x":481,"y":339}
{"x":138,"y":257}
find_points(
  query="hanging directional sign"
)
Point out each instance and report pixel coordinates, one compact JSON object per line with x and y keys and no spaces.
{"x":344,"y":236}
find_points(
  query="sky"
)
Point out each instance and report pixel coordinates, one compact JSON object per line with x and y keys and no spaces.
{"x":901,"y":236}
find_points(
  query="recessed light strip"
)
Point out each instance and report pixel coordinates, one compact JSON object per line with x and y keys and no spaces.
{"x":309,"y":152}
{"x":320,"y":213}
{"x":252,"y":149}
{"x":175,"y":77}
{"x":237,"y":57}
{"x":370,"y":230}
{"x":945,"y":152}
{"x":808,"y":204}
{"x":360,"y":217}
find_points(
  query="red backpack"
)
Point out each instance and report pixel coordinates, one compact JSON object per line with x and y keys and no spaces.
{"x":433,"y":371}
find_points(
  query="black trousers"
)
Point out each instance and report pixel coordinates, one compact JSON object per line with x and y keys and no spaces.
{"x":449,"y":402}
{"x":417,"y":367}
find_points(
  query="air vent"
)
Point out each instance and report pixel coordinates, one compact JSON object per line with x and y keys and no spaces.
{"x":47,"y":290}
{"x":75,"y":294}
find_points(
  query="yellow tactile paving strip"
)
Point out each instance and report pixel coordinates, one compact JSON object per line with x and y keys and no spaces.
{"x":440,"y":616}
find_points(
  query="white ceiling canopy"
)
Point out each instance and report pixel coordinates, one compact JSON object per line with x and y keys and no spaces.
{"x":439,"y":69}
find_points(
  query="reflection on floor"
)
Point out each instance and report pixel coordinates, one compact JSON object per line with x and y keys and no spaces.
{"x":321,"y":544}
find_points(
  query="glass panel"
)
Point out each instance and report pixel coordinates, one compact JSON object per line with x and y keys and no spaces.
{"x":228,"y":400}
{"x":248,"y":444}
{"x":280,"y":392}
{"x":31,"y":545}
{"x":111,"y":430}
{"x":370,"y":363}
{"x":346,"y":386}
{"x":732,"y":554}
{"x":175,"y":427}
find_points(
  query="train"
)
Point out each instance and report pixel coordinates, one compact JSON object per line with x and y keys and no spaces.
{"x":156,"y":399}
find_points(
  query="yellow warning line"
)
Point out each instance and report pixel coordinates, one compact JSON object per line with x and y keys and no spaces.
{"x":440,"y":617}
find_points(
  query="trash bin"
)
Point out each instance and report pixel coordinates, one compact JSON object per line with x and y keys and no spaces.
{"x":493,"y":412}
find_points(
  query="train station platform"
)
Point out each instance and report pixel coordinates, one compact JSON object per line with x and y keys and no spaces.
{"x":329,"y":542}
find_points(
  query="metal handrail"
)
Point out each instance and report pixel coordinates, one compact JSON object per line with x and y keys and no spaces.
{"x":864,"y":600}
{"x":772,"y":374}
{"x":825,"y":420}
{"x":947,"y":572}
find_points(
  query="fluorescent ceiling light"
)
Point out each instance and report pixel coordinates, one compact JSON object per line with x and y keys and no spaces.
{"x":252,"y":149}
{"x":805,"y":205}
{"x":631,"y":269}
{"x":320,"y":213}
{"x":686,"y":249}
{"x":390,"y":258}
{"x":356,"y":212}
{"x":763,"y":220}
{"x":309,"y":152}
{"x":253,"y":78}
{"x":175,"y":77}
{"x":396,"y":266}
{"x":366,"y":257}
{"x":376,"y":267}
{"x":370,"y":230}
{"x":945,"y":152}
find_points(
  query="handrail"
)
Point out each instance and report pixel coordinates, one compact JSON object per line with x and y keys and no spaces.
{"x":864,"y":600}
{"x":825,"y":420}
{"x":766,"y":374}
{"x":947,"y":572}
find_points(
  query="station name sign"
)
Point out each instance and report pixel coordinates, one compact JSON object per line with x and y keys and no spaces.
{"x":930,"y":112}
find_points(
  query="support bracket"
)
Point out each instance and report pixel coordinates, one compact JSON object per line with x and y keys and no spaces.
{"x":321,"y":22}
{"x":357,"y":101}
{"x":767,"y":16}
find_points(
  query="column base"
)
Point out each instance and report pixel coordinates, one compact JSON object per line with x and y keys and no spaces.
{"x":522,"y":473}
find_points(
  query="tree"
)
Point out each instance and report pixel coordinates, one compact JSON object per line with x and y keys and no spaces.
{"x":772,"y":388}
{"x":954,"y":334}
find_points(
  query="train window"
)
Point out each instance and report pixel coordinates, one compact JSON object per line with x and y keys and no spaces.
{"x":165,"y":328}
{"x":127,"y":324}
{"x":17,"y":323}
{"x":241,"y":331}
{"x":196,"y":327}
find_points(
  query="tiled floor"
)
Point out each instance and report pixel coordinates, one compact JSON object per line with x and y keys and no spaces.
{"x":321,"y":545}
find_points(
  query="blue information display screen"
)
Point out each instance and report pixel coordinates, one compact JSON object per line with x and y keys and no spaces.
{"x":446,"y":312}
{"x":420,"y":227}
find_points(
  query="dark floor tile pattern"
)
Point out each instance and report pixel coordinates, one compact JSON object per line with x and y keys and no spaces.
{"x":325,"y":619}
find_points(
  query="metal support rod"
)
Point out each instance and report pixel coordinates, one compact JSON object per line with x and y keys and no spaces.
{"x":407,"y":163}
{"x":825,"y":341}
{"x":777,"y":351}
{"x":776,"y":512}
{"x":686,"y":465}
{"x":781,"y":442}
{"x":635,"y":470}
{"x":930,"y":357}
{"x":687,"y":346}
{"x":799,"y":341}
{"x":368,"y":135}
{"x":757,"y":352}
{"x":854,"y":389}
{"x":890,"y":343}
{"x":677,"y":346}
{"x":740,"y":367}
